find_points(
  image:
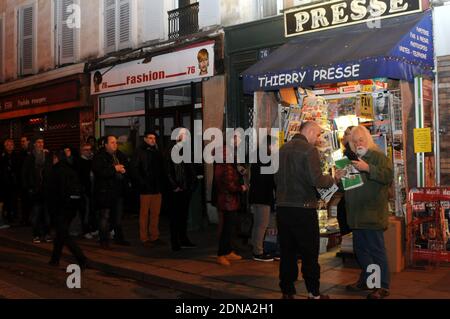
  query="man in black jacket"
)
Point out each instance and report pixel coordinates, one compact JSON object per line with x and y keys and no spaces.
{"x":182,"y":181}
{"x":25,"y":150}
{"x":65,"y":190}
{"x":110,"y":167}
{"x":297,"y":179}
{"x":35,"y":173}
{"x":87,"y":212}
{"x":148,"y":173}
{"x":262,"y":199}
{"x":9,"y":172}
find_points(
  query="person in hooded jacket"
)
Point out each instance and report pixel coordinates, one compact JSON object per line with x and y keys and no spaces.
{"x":65,"y":189}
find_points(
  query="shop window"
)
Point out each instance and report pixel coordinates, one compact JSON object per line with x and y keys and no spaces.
{"x":177,"y":96}
{"x":128,"y":130}
{"x":66,"y":35}
{"x":123,"y":103}
{"x":26,"y":40}
{"x":117,"y":25}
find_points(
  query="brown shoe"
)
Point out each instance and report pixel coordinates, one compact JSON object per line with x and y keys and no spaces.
{"x":222,"y":260}
{"x":379,"y":293}
{"x":233,"y":256}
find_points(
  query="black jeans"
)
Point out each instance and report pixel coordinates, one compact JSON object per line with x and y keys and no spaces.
{"x":179,"y":214}
{"x":226,"y":231}
{"x":87,"y":214}
{"x":111,"y":216}
{"x":298,"y":230}
{"x":40,"y":218}
{"x":62,"y":221}
{"x":11,"y":198}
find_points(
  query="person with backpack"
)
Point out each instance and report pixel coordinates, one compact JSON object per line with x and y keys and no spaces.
{"x":65,"y":189}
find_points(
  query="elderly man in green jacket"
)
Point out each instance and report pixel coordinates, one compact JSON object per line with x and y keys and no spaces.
{"x":367,"y":211}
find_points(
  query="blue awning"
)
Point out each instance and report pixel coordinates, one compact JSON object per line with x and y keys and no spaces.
{"x":398,"y":48}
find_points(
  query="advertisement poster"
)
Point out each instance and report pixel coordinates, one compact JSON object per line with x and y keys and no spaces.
{"x":188,"y":64}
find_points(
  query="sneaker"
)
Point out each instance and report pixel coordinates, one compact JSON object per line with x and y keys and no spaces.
{"x":312,"y":297}
{"x":263,"y":257}
{"x":222,"y":260}
{"x":36,"y":240}
{"x":379,"y":293}
{"x":111,"y":234}
{"x":4,"y":226}
{"x":356,"y":287}
{"x":233,"y":256}
{"x":277,"y":257}
{"x":95,"y":233}
{"x":88,"y":236}
{"x":48,"y":239}
{"x":188,"y":245}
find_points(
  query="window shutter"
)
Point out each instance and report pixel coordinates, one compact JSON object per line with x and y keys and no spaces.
{"x":124,"y":24}
{"x":269,"y":8}
{"x":67,"y":35}
{"x":110,"y":25}
{"x":27,"y":37}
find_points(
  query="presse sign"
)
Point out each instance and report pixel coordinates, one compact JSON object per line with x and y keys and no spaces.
{"x":340,"y":13}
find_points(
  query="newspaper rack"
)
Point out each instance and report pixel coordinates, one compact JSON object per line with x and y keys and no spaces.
{"x":426,"y":207}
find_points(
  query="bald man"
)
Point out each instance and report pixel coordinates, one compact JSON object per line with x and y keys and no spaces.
{"x":298,"y":227}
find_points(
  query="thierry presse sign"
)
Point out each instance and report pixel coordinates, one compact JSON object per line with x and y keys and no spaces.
{"x":340,"y":13}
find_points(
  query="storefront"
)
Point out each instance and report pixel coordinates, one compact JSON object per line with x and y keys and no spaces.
{"x":162,"y":92}
{"x":159,"y":93}
{"x":58,"y":110}
{"x":380,"y":77}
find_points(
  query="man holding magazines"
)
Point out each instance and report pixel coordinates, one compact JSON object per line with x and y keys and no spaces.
{"x":367,"y":210}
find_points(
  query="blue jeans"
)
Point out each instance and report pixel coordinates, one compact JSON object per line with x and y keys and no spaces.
{"x":369,"y":248}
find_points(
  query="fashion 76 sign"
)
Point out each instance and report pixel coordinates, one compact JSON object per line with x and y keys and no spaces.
{"x":189,"y":64}
{"x":340,"y":13}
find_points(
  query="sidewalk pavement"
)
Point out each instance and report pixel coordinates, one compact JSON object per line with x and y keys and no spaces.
{"x":195,"y":271}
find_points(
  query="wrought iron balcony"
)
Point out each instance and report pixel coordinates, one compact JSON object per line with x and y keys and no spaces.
{"x":183,"y":21}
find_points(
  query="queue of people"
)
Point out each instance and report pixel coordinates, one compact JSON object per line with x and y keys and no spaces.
{"x":55,"y":187}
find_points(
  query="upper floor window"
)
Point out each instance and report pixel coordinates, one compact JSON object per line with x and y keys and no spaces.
{"x":2,"y":50}
{"x":26,"y":17}
{"x":117,"y":24}
{"x":269,"y":8}
{"x":66,"y":31}
{"x":183,"y":20}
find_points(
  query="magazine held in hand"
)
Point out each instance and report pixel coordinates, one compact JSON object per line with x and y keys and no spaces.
{"x":352,"y":178}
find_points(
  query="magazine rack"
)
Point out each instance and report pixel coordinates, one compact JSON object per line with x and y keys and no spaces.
{"x":427,"y":228}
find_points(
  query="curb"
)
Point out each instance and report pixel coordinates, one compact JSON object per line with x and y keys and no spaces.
{"x":153,"y":279}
